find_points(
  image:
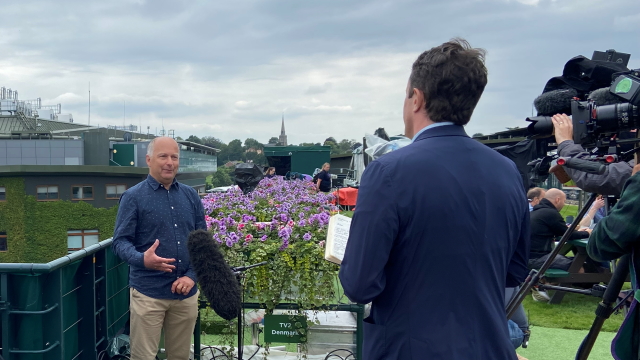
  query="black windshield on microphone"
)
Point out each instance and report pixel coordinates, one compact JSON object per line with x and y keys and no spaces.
{"x":217,"y":281}
{"x":555,"y":102}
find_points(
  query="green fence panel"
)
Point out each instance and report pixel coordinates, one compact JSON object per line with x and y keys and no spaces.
{"x":67,"y":309}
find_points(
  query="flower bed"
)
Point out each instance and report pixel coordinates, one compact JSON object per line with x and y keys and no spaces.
{"x":283,"y":222}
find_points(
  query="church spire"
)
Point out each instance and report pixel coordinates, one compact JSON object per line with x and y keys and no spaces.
{"x":282,"y":128}
{"x":283,"y":136}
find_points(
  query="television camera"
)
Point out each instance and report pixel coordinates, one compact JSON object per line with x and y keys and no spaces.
{"x":603,"y":98}
{"x":602,"y":118}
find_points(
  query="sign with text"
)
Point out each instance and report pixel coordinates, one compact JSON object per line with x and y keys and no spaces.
{"x":283,"y":328}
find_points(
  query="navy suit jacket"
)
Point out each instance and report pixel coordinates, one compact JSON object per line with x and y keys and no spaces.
{"x":441,"y":227}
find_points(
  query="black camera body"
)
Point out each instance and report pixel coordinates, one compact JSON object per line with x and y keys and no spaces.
{"x":591,"y":122}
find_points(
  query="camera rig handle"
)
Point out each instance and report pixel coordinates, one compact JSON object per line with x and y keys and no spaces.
{"x":587,"y":166}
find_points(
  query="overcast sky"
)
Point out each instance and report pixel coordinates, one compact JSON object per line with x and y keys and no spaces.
{"x":338,"y":68}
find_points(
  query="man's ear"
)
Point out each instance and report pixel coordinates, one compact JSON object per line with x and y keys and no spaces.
{"x":418,"y":100}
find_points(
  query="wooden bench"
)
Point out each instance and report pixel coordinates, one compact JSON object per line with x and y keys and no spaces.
{"x":572,"y":276}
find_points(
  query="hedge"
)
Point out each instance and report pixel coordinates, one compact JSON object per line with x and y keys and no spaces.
{"x":37,"y":230}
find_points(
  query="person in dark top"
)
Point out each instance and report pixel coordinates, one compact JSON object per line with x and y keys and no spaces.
{"x":324,"y":179}
{"x":614,"y":236}
{"x":546,"y":225}
{"x":271,"y":172}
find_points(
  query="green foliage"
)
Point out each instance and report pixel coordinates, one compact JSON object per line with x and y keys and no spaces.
{"x":273,"y":140}
{"x":222,"y":177}
{"x":194,"y":139}
{"x":37,"y":231}
{"x":284,"y":223}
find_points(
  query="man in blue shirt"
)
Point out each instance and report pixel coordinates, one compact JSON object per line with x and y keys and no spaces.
{"x":534,"y":196}
{"x":154,"y":220}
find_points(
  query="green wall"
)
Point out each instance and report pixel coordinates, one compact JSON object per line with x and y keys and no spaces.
{"x":37,"y":231}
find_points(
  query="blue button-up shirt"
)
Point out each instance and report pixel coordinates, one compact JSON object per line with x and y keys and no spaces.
{"x":148,"y":212}
{"x":430,"y":127}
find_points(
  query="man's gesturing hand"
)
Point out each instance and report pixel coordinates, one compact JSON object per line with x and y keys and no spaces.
{"x":635,"y":169}
{"x":563,"y":128}
{"x":182,"y":286}
{"x":155,"y":262}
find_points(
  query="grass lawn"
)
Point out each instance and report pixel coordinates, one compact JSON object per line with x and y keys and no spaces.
{"x":559,"y":344}
{"x":569,"y":210}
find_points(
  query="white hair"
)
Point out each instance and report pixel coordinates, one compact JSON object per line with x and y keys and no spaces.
{"x":151,"y":145}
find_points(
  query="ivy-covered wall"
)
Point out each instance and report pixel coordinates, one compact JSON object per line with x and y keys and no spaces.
{"x":37,"y":231}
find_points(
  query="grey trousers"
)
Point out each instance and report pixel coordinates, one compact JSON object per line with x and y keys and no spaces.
{"x":519,"y":317}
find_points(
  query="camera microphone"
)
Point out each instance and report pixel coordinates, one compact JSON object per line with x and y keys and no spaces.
{"x":604,"y":97}
{"x":555,"y":102}
{"x":217,"y":281}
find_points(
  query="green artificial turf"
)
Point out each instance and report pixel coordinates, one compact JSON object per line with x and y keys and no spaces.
{"x":561,"y":344}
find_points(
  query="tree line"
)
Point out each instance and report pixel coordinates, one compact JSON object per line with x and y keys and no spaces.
{"x":251,"y":150}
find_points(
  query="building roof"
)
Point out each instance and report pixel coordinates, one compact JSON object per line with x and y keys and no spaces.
{"x":13,"y":124}
{"x":95,"y":170}
{"x":203,"y":148}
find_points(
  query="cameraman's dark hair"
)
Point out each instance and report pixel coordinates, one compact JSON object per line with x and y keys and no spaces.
{"x":452,"y":77}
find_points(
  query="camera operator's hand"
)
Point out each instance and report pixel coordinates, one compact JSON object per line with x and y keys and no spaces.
{"x":563,"y":128}
{"x":635,"y":169}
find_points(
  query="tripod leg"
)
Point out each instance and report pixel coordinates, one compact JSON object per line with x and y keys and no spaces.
{"x":605,"y":307}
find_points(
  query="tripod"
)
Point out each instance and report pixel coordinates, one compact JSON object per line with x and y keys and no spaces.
{"x":239,"y":272}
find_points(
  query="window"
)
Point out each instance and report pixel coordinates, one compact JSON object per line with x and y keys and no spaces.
{"x":78,"y":239}
{"x":3,"y":193}
{"x":115,"y":191}
{"x":82,"y":192}
{"x":3,"y":241}
{"x":47,"y":192}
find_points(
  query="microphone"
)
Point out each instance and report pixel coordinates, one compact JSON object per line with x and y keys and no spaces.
{"x":217,"y":281}
{"x":604,"y":97}
{"x":555,"y":102}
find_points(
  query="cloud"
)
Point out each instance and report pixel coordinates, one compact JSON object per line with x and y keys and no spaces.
{"x":228,"y":69}
{"x":318,"y":89}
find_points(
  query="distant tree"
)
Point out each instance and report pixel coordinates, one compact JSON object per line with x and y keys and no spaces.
{"x":235,"y":152}
{"x":273,"y":140}
{"x":344,"y":147}
{"x":179,"y":138}
{"x":212,"y":142}
{"x":251,"y":143}
{"x":307,"y":144}
{"x":222,"y":177}
{"x":478,"y":135}
{"x":331,"y":139}
{"x":194,"y":139}
{"x":513,"y":128}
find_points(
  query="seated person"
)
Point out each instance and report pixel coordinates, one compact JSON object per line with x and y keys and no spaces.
{"x":546,"y":225}
{"x":534,"y":196}
{"x":595,"y":213}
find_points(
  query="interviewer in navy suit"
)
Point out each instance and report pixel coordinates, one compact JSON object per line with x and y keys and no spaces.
{"x":441,"y":226}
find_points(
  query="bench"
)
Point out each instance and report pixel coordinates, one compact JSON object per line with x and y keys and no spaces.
{"x":556,"y":273}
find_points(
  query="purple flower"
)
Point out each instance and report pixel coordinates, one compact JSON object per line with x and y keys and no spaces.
{"x":307,"y":237}
{"x":263,"y":238}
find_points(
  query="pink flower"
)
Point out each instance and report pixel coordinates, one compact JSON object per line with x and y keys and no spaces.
{"x":240,"y":226}
{"x":291,"y":223}
{"x":321,"y":244}
{"x":248,"y":238}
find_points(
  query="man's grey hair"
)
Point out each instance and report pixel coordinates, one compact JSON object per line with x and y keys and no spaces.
{"x":152,"y":143}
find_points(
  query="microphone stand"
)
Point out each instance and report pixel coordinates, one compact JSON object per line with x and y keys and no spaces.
{"x":239,"y":272}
